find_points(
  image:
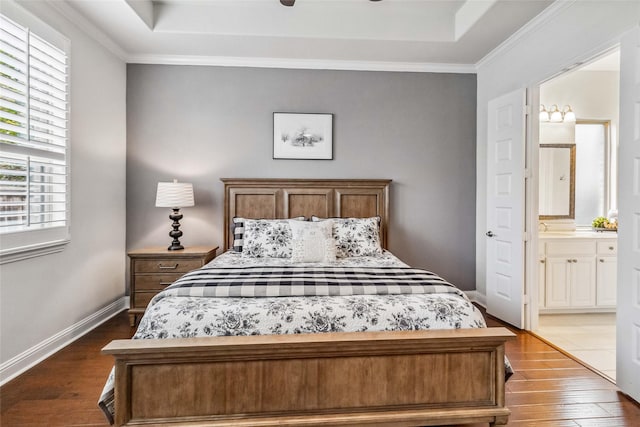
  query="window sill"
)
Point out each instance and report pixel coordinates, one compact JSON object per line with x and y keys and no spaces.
{"x":32,"y":251}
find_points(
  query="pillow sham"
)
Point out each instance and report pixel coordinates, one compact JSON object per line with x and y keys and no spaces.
{"x":312,"y":242}
{"x":237,"y":230}
{"x":356,"y":237}
{"x":267,"y":238}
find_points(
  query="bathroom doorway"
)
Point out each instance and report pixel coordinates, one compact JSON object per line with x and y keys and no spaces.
{"x":577,"y":234}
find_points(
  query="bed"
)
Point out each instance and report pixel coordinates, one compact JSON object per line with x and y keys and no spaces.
{"x":399,"y":346}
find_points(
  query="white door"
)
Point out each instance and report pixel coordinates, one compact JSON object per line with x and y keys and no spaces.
{"x":505,"y":207}
{"x":628,"y":314}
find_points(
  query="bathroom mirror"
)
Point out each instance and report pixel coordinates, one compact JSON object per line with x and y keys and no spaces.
{"x":557,"y":181}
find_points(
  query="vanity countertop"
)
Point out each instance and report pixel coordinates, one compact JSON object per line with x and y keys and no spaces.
{"x":578,"y":235}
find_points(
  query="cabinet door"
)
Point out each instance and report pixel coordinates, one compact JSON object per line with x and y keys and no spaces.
{"x":541,"y":282}
{"x":606,"y":281}
{"x":583,"y":282}
{"x":557,"y":278}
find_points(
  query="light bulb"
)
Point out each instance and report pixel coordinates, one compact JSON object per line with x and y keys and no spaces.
{"x":556,"y":115}
{"x":544,"y":114}
{"x":569,"y":115}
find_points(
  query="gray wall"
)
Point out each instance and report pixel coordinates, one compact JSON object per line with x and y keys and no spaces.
{"x":199,"y":124}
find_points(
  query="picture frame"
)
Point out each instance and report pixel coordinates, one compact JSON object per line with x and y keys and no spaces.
{"x":303,"y":136}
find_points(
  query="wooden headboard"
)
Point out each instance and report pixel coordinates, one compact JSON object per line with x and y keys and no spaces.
{"x":288,"y":198}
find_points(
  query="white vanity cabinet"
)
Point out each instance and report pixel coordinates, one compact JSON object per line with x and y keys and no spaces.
{"x":607,"y":275}
{"x":577,"y":273}
{"x":570,"y":282}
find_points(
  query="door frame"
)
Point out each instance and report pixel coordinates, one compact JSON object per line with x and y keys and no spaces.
{"x":531,"y":201}
{"x":531,"y":285}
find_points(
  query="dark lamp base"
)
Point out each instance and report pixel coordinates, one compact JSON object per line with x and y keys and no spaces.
{"x":176,"y":216}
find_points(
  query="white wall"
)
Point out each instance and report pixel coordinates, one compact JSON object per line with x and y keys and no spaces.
{"x":592,"y":94}
{"x":579,"y":31}
{"x":40,"y":297}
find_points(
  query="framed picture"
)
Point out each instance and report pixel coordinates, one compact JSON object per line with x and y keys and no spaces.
{"x":302,"y":136}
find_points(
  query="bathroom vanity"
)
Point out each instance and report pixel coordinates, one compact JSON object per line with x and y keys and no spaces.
{"x":577,"y":271}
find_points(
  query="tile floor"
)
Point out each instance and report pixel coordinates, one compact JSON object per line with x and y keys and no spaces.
{"x":589,"y":337}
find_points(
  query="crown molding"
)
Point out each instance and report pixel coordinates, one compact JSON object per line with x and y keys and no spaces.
{"x":88,"y":28}
{"x":530,"y":27}
{"x":107,"y":42}
{"x":310,"y":64}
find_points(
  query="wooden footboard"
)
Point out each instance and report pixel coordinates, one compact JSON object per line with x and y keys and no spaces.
{"x":411,"y":378}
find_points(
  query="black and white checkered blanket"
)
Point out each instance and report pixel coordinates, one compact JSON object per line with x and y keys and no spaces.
{"x":280,"y":281}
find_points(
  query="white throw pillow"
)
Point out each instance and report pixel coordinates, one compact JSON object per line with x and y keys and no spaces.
{"x":313,"y":242}
{"x":355,"y":237}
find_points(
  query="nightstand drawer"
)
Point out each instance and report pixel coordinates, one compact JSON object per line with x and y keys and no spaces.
{"x":155,"y":282}
{"x":142,"y":299}
{"x":166,"y":265}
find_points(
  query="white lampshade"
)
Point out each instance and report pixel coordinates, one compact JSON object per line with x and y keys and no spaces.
{"x":556,"y":115}
{"x":174,"y":194}
{"x":544,"y":114}
{"x":569,"y":115}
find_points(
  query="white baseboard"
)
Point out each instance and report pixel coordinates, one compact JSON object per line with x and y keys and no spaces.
{"x":477,"y":297}
{"x":36,"y":354}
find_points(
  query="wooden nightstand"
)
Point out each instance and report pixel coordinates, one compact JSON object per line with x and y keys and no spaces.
{"x":153,"y":269}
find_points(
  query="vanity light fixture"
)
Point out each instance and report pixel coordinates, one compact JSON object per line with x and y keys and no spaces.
{"x":554,"y":115}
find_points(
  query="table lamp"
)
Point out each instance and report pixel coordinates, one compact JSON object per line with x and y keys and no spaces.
{"x":175,"y":195}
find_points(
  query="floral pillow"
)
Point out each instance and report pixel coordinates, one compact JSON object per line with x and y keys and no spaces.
{"x":356,"y":237}
{"x":267,"y":238}
{"x":313,"y":242}
{"x":237,"y":230}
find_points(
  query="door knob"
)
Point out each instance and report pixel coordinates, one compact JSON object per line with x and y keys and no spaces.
{"x":490,"y":233}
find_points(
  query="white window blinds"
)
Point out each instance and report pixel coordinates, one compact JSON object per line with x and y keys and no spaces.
{"x":33,"y":131}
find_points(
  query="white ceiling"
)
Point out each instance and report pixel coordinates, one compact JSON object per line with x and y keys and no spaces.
{"x":419,"y":32}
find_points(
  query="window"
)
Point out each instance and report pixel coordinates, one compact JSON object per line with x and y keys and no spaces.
{"x":593,"y":171}
{"x":34,"y":196}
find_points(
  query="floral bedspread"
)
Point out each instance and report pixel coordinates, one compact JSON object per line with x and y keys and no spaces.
{"x":177,"y":316}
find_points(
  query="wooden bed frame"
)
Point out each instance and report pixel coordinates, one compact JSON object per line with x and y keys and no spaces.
{"x":414,"y":378}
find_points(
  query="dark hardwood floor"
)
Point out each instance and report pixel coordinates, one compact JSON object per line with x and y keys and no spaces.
{"x":548,"y":388}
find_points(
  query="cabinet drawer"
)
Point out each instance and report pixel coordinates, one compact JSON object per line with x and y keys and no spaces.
{"x":142,"y":299}
{"x":607,"y":248}
{"x":154,"y":282}
{"x":571,"y":248}
{"x":166,"y":265}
